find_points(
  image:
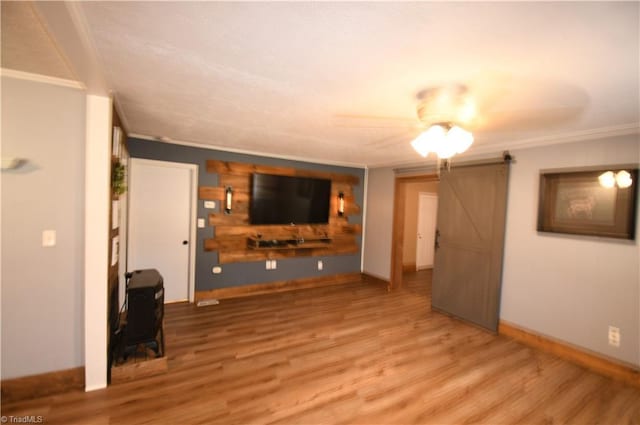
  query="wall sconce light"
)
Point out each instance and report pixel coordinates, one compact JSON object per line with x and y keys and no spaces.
{"x":228,"y":200}
{"x":341,"y":204}
{"x":11,"y":163}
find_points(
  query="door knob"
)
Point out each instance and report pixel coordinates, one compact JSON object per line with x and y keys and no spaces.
{"x":185,"y":242}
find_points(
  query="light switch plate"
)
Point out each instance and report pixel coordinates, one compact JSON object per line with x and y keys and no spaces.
{"x":210,"y":204}
{"x":200,"y":223}
{"x":48,"y":238}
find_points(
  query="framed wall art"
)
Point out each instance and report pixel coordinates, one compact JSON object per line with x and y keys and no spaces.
{"x":595,"y":202}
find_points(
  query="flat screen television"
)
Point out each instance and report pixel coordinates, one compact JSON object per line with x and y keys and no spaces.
{"x":289,"y":200}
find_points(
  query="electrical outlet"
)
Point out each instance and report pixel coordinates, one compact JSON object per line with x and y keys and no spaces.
{"x":614,"y":336}
{"x":320,"y":265}
{"x":267,"y":265}
{"x":48,"y":238}
{"x":274,"y":265}
{"x":201,"y":223}
{"x":217,"y":270}
{"x":209,"y":204}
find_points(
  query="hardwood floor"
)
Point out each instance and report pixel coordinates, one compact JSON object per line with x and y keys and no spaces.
{"x":348,"y":354}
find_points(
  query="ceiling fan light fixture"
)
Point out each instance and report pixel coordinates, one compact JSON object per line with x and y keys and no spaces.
{"x":429,"y":140}
{"x":445,"y":140}
{"x":460,"y":138}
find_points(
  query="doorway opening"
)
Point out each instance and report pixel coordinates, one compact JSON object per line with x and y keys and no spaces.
{"x":405,"y":214}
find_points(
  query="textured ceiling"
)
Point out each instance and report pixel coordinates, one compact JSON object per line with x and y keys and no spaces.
{"x":26,"y":45}
{"x":308,"y":80}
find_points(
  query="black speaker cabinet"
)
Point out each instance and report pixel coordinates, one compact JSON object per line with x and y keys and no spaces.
{"x":145,"y":310}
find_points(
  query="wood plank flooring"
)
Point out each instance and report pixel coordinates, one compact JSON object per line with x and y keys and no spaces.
{"x":347,"y":354}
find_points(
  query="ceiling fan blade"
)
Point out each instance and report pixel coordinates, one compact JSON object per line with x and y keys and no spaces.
{"x":373,"y":121}
{"x":526,"y":119}
{"x":405,"y":136}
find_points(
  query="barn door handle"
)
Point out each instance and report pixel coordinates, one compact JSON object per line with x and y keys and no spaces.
{"x":185,"y":242}
{"x":437,"y":242}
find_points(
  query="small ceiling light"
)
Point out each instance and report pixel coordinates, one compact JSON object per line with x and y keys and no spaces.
{"x":443,"y":139}
{"x":623,"y":179}
{"x":607,"y":179}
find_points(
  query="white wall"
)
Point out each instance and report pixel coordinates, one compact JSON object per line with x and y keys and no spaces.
{"x":42,"y":288}
{"x":379,"y":222}
{"x":570,"y":287}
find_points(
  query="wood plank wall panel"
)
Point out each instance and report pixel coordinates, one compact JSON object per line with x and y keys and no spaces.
{"x":233,"y":230}
{"x":209,"y":193}
{"x":248,"y":255}
{"x":224,"y":167}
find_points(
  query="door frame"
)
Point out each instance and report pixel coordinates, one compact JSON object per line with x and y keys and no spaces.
{"x":193,"y":191}
{"x":397,"y":237}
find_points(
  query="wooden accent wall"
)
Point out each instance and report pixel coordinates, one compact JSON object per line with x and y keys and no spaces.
{"x":233,"y":230}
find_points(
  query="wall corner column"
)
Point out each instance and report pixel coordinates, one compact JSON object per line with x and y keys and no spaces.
{"x":97,"y":198}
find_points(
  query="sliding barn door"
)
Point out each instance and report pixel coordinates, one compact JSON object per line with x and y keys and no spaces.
{"x":467,"y":272}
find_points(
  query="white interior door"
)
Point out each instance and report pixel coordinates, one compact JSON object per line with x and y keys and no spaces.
{"x":427,"y":213}
{"x":161,"y":223}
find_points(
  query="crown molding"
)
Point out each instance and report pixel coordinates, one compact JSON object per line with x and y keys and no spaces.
{"x":46,"y":79}
{"x":562,"y":138}
{"x":535,"y":142}
{"x":248,"y":152}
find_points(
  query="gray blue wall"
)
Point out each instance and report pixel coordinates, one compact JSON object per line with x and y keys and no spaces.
{"x":237,"y":274}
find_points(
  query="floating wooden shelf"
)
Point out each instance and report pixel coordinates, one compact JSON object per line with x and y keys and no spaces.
{"x":260,"y":243}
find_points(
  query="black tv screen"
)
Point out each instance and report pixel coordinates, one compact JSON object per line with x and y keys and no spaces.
{"x":289,"y":200}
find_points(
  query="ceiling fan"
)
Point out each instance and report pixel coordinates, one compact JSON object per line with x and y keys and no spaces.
{"x":449,"y":115}
{"x":446,"y":112}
